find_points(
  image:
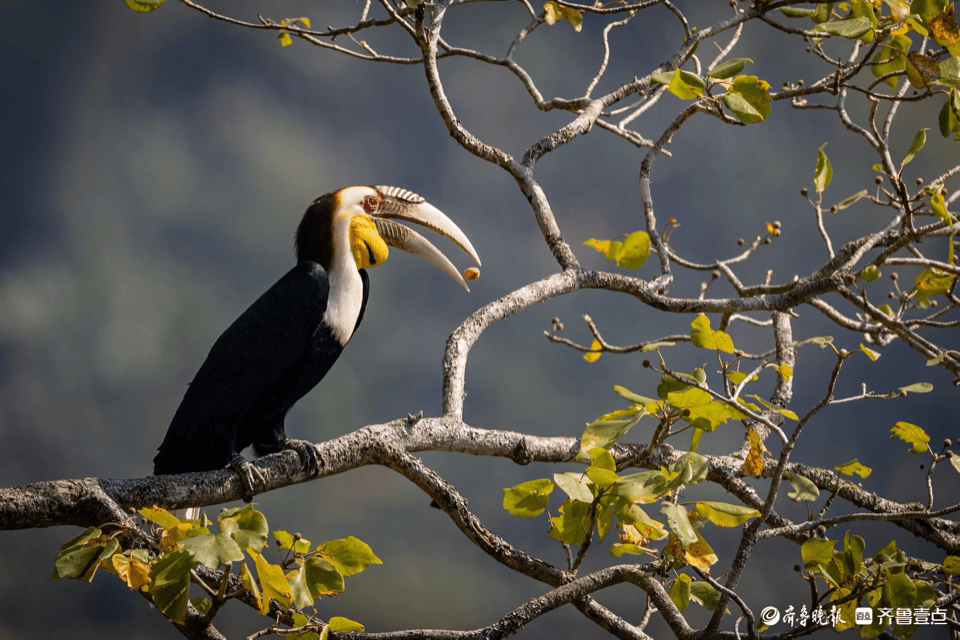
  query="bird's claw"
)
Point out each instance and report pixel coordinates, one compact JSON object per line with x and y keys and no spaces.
{"x":309,"y":454}
{"x":250,"y":476}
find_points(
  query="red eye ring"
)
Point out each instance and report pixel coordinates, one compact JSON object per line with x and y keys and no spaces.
{"x":370,"y":204}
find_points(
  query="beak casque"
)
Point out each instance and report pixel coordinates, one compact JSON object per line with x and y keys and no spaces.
{"x":409,"y":207}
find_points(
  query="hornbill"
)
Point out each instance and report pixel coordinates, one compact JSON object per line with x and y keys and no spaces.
{"x":286,"y":342}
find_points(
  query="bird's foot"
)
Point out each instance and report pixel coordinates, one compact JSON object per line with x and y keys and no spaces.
{"x":250,"y":476}
{"x":309,"y":454}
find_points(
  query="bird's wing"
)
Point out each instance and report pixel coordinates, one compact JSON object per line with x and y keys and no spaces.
{"x":253,"y":352}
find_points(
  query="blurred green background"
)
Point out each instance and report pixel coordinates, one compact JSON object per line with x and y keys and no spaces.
{"x":154,"y":169}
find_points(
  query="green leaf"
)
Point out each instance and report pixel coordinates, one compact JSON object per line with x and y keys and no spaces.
{"x":570,"y":527}
{"x":246,"y":525}
{"x":803,"y":488}
{"x":287,"y":541}
{"x":728,"y":68}
{"x":823,"y":174}
{"x":704,"y":594}
{"x":643,"y":487}
{"x":690,"y":468}
{"x":950,"y":71}
{"x":711,"y":415}
{"x":574,"y":485}
{"x":927,"y":8}
{"x":601,"y":459}
{"x":619,"y":548}
{"x":851,"y":28}
{"x":634,"y":251}
{"x":603,"y":478}
{"x":870,"y":273}
{"x":143,"y":6}
{"x":686,"y":85}
{"x":212,"y":550}
{"x":890,"y":58}
{"x":797,"y":12}
{"x":918,"y":387}
{"x":932,"y":362}
{"x":349,"y":555}
{"x":873,"y":355}
{"x":951,"y":565}
{"x":706,"y":338}
{"x":816,"y":552}
{"x":81,"y":559}
{"x":679,"y":523}
{"x":528,"y":499}
{"x":918,"y":141}
{"x":631,"y":396}
{"x":344,"y":625}
{"x":605,"y":433}
{"x":664,"y":77}
{"x":911,"y":433}
{"x":849,"y":201}
{"x":680,"y":591}
{"x":822,"y":12}
{"x":899,"y":590}
{"x":635,"y":516}
{"x":202,"y":604}
{"x":682,"y":395}
{"x":170,"y":590}
{"x":852,"y":467}
{"x":316,"y":577}
{"x":724,"y":514}
{"x":748,"y":99}
{"x":736,"y":377}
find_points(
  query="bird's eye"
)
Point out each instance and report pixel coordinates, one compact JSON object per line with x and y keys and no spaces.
{"x":370,"y":204}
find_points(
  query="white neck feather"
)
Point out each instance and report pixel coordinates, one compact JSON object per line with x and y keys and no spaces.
{"x":346,"y":288}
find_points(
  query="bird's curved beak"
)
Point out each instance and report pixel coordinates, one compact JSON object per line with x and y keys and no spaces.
{"x":404,"y":205}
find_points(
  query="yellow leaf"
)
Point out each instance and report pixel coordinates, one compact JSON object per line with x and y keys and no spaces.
{"x":594,"y":354}
{"x":284,"y":38}
{"x":306,"y":22}
{"x":246,"y":579}
{"x":873,"y":355}
{"x":852,"y":467}
{"x":753,"y":465}
{"x":132,"y":570}
{"x":699,"y":554}
{"x":943,"y":27}
{"x":551,"y":12}
{"x":629,"y":534}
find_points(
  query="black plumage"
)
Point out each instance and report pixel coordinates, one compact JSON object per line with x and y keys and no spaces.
{"x":287,"y":341}
{"x":269,"y":358}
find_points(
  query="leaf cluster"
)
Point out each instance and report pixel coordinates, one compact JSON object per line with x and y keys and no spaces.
{"x":159,"y":559}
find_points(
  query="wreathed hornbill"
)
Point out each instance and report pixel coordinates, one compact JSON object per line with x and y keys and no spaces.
{"x":286,"y":342}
